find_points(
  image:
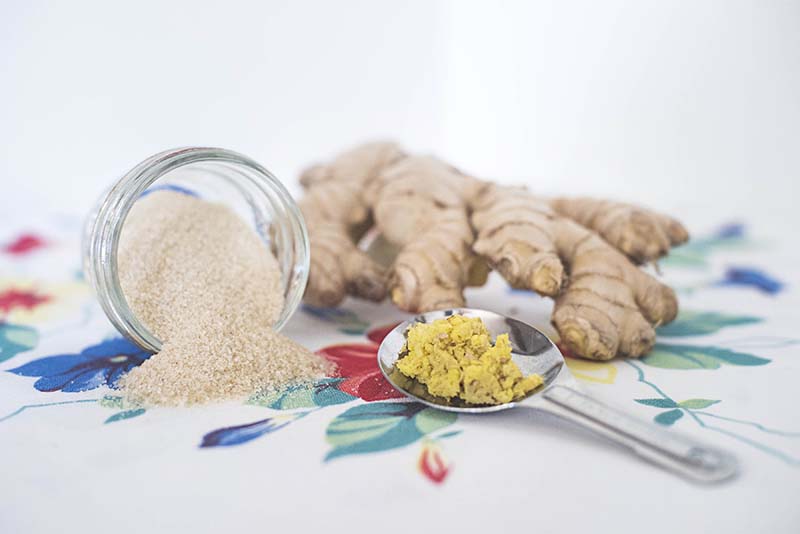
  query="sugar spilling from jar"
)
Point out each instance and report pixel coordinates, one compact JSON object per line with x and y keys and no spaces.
{"x":199,"y":278}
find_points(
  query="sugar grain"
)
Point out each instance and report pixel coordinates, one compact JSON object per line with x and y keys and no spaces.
{"x":205,"y":284}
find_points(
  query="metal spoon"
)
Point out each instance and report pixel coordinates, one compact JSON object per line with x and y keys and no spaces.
{"x":560,"y":394}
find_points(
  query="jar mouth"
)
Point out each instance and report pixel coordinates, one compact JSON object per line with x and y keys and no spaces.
{"x":278,"y":215}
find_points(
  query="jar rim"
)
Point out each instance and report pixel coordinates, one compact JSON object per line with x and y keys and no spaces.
{"x":104,"y":226}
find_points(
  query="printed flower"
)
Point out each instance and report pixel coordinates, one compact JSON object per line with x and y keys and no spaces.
{"x":95,"y":366}
{"x":28,"y":301}
{"x":741,"y":276}
{"x":697,"y":323}
{"x":589,"y":370}
{"x":11,"y":299}
{"x":376,"y":335}
{"x":364,"y":428}
{"x":321,"y":393}
{"x":128,"y":409}
{"x":730,"y":230}
{"x":24,"y":244}
{"x":674,"y":410}
{"x":696,"y":253}
{"x":358,"y":365}
{"x":236,"y":435}
{"x":16,"y":338}
{"x":432,"y":463}
{"x":382,"y":426}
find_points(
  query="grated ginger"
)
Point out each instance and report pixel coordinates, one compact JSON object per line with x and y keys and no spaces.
{"x":455,"y":358}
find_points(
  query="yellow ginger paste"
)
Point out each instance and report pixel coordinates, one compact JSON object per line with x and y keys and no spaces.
{"x":454,"y":357}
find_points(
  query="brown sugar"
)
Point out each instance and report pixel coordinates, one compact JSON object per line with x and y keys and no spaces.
{"x":205,"y":284}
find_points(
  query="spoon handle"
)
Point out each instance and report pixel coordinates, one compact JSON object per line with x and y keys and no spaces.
{"x":673,"y":451}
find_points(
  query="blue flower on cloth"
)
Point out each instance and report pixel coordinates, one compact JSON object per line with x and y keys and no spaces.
{"x":730,"y":231}
{"x":95,"y":366}
{"x":236,"y":435}
{"x":742,"y":276}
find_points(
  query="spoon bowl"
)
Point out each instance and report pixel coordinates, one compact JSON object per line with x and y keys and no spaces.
{"x":561,"y":395}
{"x":531,"y":350}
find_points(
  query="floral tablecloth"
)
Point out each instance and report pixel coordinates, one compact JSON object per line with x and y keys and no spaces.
{"x":349,"y":455}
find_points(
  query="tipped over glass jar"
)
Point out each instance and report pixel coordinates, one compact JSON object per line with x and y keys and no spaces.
{"x":213,"y":174}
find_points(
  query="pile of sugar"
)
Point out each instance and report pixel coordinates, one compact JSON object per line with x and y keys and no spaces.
{"x":206,"y":285}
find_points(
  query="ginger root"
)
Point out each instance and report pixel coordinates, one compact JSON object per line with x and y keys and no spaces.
{"x":337,"y":216}
{"x":606,"y":306}
{"x":640,"y":234}
{"x":421,"y":206}
{"x":450,"y":228}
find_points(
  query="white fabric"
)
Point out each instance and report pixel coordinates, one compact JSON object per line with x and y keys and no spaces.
{"x":65,"y":470}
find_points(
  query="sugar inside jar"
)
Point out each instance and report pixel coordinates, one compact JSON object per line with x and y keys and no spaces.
{"x":200,"y":256}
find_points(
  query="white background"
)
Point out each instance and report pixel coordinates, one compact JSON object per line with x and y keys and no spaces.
{"x":679,"y":105}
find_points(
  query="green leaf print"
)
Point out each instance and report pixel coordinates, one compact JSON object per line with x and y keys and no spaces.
{"x":695,"y":253}
{"x":129,"y":409}
{"x":112,"y":401}
{"x":693,"y":323}
{"x":658,"y":403}
{"x":668,"y":356}
{"x":16,"y":338}
{"x":668,"y":418}
{"x":127,"y":414}
{"x":697,"y":404}
{"x":450,"y":434}
{"x":686,"y":257}
{"x":115,"y":402}
{"x":380,"y":426}
{"x":324,"y":392}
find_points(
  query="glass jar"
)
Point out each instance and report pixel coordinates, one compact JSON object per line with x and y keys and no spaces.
{"x":213,"y":174}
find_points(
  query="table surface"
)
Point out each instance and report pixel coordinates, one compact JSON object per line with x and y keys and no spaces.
{"x":348,"y":454}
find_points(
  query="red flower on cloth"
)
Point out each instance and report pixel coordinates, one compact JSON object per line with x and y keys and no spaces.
{"x":432,"y":464}
{"x":24,"y":244}
{"x":15,"y":298}
{"x":358,"y":365}
{"x":376,"y":335}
